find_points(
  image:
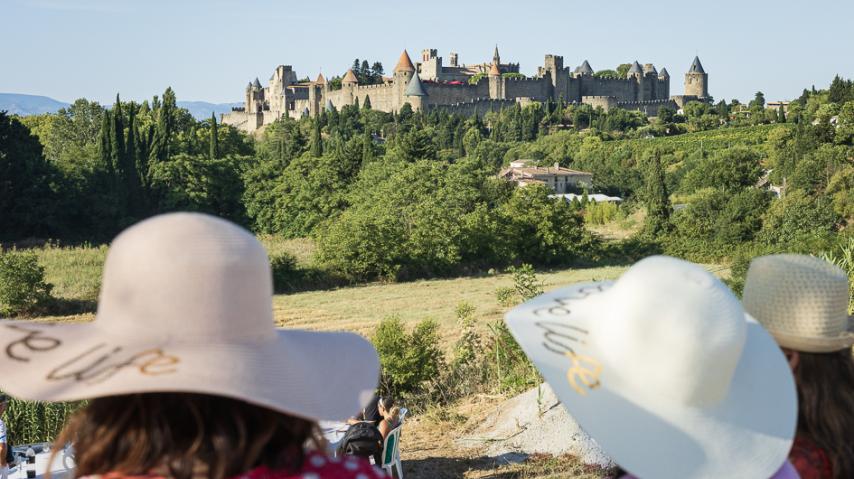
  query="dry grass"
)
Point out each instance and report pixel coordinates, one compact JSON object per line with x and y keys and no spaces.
{"x":621,"y":228}
{"x":360,"y":308}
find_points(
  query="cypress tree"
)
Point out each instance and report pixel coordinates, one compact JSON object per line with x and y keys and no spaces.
{"x":214,"y":153}
{"x":129,"y":168}
{"x":367,"y":148}
{"x":117,"y":138}
{"x":367,"y":105}
{"x":316,"y":140}
{"x":106,"y":144}
{"x":657,"y":197}
{"x":781,"y":115}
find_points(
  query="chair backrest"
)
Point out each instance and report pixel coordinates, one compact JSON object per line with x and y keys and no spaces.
{"x":402,"y":414}
{"x":391,"y":446}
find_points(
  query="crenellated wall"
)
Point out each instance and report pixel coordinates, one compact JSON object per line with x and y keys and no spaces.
{"x":535,"y":88}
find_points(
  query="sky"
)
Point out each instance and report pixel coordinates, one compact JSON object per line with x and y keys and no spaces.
{"x":209,"y":50}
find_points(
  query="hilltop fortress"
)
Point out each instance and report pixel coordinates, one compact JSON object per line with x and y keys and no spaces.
{"x":429,"y":85}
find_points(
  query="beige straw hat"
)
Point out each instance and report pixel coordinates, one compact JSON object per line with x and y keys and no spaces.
{"x":801,"y":300}
{"x":665,"y":371}
{"x":186,"y":306}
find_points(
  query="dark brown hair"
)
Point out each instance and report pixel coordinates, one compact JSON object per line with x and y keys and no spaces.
{"x":826,"y":406}
{"x":183,"y":435}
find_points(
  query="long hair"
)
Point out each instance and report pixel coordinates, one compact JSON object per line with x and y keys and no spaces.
{"x":826,"y":406}
{"x":183,"y":435}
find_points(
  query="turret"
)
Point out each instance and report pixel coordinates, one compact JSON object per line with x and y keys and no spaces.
{"x":584,"y":70}
{"x":664,"y":80}
{"x":496,"y":83}
{"x":414,"y":93}
{"x":403,"y":72}
{"x":496,"y":58}
{"x":696,"y":80}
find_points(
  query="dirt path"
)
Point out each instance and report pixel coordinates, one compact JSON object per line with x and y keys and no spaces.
{"x":430,"y":449}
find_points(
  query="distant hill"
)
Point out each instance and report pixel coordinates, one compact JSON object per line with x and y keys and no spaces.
{"x":201,"y":110}
{"x":20,"y":104}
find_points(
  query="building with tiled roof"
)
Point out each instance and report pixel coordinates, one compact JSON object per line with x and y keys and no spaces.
{"x":561,"y":180}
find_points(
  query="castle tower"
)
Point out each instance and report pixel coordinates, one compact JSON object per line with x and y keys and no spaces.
{"x":636,"y":73}
{"x":403,"y":72}
{"x":348,"y":84}
{"x":584,"y":70}
{"x":247,"y":107}
{"x":696,"y":80}
{"x":316,"y":94}
{"x":414,"y":93}
{"x":257,"y":97}
{"x":496,"y":82}
{"x":664,"y":82}
{"x":496,"y":58}
{"x":650,"y":75}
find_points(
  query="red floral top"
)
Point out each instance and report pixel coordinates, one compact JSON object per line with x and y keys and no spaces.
{"x":810,"y":460}
{"x":315,"y":466}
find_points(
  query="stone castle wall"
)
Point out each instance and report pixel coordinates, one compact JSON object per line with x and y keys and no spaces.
{"x":535,"y":88}
{"x":477,"y":106}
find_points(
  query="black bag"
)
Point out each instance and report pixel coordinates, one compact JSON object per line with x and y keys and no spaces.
{"x":362,"y":439}
{"x":10,"y":456}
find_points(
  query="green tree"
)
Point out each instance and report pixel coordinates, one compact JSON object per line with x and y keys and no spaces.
{"x":316,"y":140}
{"x":729,"y":169}
{"x":214,"y":139}
{"x":27,"y":201}
{"x":657,"y":197}
{"x":781,"y":115}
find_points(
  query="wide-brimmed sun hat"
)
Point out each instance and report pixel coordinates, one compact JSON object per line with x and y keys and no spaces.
{"x":801,"y":300}
{"x":665,"y":371}
{"x":186,"y":306}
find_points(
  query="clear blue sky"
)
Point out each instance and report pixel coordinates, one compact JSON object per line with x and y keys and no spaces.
{"x":209,"y":49}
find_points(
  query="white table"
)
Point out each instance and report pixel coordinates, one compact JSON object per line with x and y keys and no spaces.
{"x":333,"y":432}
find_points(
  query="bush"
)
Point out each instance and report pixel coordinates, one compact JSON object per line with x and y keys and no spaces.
{"x":23,"y":289}
{"x":286,"y":275}
{"x":409,"y":361}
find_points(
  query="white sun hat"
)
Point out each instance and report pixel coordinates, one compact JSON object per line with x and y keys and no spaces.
{"x":801,"y":300}
{"x":665,"y":371}
{"x":186,"y":306}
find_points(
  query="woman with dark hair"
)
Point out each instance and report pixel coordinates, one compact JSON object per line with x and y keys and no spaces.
{"x":802,"y":302}
{"x":185,"y":374}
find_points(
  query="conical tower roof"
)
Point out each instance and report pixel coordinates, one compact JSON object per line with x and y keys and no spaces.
{"x":415,"y":88}
{"x":257,"y":83}
{"x":635,"y":69}
{"x":404,"y":64}
{"x":585,"y":68}
{"x":494,"y":71}
{"x":496,"y":58}
{"x":320,"y":79}
{"x":350,"y":77}
{"x":663,"y":73}
{"x":696,"y":66}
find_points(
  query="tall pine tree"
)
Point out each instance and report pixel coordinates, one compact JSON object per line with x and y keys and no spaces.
{"x":657,"y":197}
{"x":316,"y":140}
{"x":214,"y":140}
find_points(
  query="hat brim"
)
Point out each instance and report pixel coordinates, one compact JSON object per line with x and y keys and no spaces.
{"x":307,"y":374}
{"x":816,"y":345}
{"x":747,"y":434}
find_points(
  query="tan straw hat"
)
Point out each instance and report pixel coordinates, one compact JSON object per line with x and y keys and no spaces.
{"x":801,"y":300}
{"x":186,"y":306}
{"x":665,"y":371}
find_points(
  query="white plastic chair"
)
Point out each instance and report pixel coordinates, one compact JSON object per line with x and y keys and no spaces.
{"x":391,"y":451}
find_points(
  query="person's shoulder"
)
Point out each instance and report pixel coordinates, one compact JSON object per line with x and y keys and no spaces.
{"x":320,"y":466}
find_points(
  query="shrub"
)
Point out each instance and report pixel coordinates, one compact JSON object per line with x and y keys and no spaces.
{"x":526,"y":282}
{"x":23,"y":289}
{"x":286,"y":275}
{"x":506,"y":297}
{"x":409,"y":361}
